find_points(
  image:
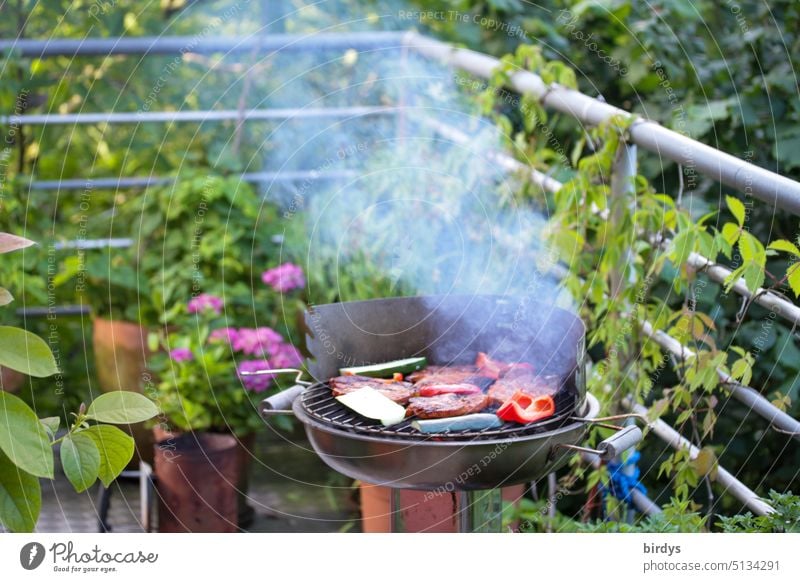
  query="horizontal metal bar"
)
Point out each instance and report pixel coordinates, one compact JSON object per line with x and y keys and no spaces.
{"x":717,"y":273}
{"x":744,"y":394}
{"x":768,"y":299}
{"x":722,"y":167}
{"x":145,"y":181}
{"x":56,"y":310}
{"x":95,"y":243}
{"x":277,"y":114}
{"x":174,"y":45}
{"x":731,"y":484}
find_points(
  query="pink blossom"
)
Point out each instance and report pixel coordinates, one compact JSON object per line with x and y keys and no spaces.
{"x":257,"y":383}
{"x":285,"y":356}
{"x":284,"y":278}
{"x":181,"y":355}
{"x":226,"y":334}
{"x":259,"y":341}
{"x":203,"y":302}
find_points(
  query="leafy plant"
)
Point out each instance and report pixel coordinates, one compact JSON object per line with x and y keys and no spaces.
{"x":89,"y":450}
{"x":605,"y":239}
{"x":205,"y":232}
{"x":785,"y":519}
{"x":201,"y":387}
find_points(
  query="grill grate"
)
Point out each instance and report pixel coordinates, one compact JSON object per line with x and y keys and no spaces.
{"x":319,"y":403}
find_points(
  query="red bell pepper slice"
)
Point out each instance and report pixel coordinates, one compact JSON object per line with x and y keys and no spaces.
{"x":436,"y":389}
{"x":524,"y":408}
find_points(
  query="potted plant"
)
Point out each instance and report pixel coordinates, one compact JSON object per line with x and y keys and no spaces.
{"x":90,"y":449}
{"x":203,"y":232}
{"x":203,"y":447}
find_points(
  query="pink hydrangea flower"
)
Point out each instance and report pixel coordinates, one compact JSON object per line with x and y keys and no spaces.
{"x":284,"y":278}
{"x":259,"y":341}
{"x":181,"y":355}
{"x":226,"y":334}
{"x":257,"y":383}
{"x":203,"y":302}
{"x":286,"y":356}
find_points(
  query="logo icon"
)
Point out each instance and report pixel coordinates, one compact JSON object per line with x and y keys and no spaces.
{"x":31,"y":555}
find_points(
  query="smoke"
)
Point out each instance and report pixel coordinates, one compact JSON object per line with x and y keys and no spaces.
{"x":396,"y":206}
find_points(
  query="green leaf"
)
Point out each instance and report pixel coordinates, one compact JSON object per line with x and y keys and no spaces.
{"x":705,"y":463}
{"x":752,"y":250}
{"x":115,"y":448}
{"x":51,"y":424}
{"x":742,"y":371}
{"x":25,"y":352}
{"x":23,"y":438}
{"x":10,"y":242}
{"x":81,"y":460}
{"x":784,"y":245}
{"x":20,"y":497}
{"x":122,"y":407}
{"x":5,"y":297}
{"x":753,"y":276}
{"x":730,"y":232}
{"x":733,"y":278}
{"x":682,"y":246}
{"x":737,"y":209}
{"x":793,"y":276}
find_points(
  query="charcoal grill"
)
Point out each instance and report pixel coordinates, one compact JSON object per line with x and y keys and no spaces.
{"x":445,"y":330}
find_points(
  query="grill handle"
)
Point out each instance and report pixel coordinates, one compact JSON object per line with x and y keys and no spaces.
{"x":280,"y":403}
{"x":619,"y":442}
{"x":611,"y":447}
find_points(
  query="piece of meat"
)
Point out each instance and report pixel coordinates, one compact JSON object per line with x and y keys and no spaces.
{"x":460,"y":374}
{"x":496,"y":369}
{"x":526,"y":381}
{"x":399,"y":392}
{"x":436,"y":389}
{"x":446,"y":405}
{"x":442,"y":374}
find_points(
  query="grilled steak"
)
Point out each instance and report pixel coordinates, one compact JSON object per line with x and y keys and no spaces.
{"x":400,"y":392}
{"x":495,"y":369}
{"x":461,"y":374}
{"x":526,"y":381}
{"x":446,"y":405}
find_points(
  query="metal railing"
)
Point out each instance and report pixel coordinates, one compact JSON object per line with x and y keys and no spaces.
{"x":722,"y":167}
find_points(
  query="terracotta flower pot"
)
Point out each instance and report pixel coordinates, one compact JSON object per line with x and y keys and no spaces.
{"x":197,"y":478}
{"x":421,"y":512}
{"x":120,"y":352}
{"x":245,"y":451}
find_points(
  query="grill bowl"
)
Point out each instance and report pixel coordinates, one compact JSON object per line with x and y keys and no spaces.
{"x":444,"y":465}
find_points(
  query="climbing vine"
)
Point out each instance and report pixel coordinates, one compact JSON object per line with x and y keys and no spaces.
{"x":618,"y":251}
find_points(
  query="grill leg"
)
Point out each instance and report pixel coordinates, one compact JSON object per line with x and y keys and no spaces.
{"x":480,"y":511}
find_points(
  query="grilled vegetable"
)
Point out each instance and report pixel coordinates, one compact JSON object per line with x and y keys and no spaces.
{"x":466,"y":422}
{"x":372,"y":404}
{"x":387,"y":369}
{"x":524,"y":408}
{"x":436,"y":389}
